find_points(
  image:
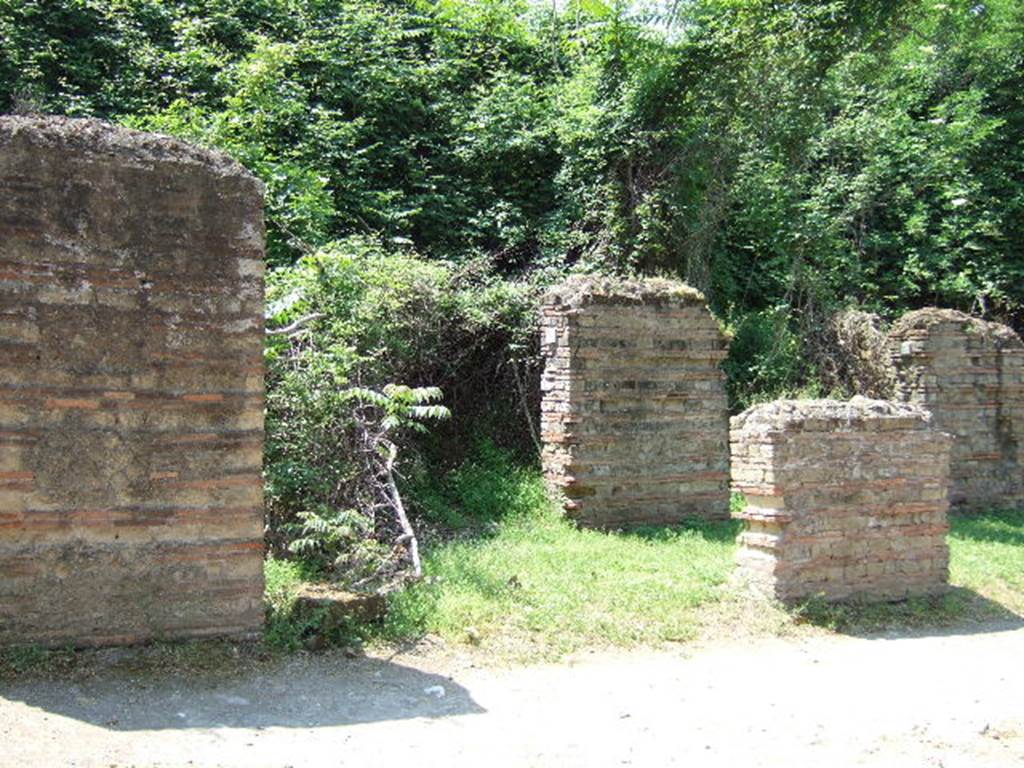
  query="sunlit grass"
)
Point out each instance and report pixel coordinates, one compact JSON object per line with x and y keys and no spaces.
{"x":987,"y":556}
{"x":538,"y":585}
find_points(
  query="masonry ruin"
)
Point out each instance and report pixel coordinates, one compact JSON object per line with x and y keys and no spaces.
{"x":634,"y":417}
{"x":969,"y":374}
{"x":845,"y":500}
{"x":131,"y":394}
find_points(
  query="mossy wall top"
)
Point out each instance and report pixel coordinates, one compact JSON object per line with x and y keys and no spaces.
{"x":634,"y":416}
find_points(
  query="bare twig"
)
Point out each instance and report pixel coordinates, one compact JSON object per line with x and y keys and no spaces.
{"x":408,"y":535}
{"x":291,"y":328}
{"x":526,"y":409}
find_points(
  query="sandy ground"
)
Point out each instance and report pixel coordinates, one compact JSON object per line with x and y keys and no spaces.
{"x":953,"y":700}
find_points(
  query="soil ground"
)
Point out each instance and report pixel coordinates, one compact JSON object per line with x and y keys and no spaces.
{"x":953,"y":700}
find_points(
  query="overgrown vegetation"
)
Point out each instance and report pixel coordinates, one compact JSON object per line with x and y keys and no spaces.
{"x":432,"y":165}
{"x":787,"y":159}
{"x":367,"y":320}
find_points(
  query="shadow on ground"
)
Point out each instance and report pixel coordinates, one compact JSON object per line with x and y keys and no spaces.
{"x":300,"y":692}
{"x":960,"y":611}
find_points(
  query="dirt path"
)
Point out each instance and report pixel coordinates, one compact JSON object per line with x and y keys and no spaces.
{"x":950,"y":701}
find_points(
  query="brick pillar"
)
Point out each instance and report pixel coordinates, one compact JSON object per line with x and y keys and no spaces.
{"x":634,"y":415}
{"x":969,"y":374}
{"x":131,"y":387}
{"x":844,"y":499}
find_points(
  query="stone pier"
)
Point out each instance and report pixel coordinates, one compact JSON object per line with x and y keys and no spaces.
{"x":969,"y":374}
{"x":131,"y":387}
{"x":845,"y":500}
{"x":634,"y":414}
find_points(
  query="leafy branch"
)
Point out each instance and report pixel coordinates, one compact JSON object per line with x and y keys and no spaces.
{"x":379,"y":417}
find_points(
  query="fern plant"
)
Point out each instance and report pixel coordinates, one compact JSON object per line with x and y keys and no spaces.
{"x":379,"y":419}
{"x":372,"y":542}
{"x":403,"y":407}
{"x":341,"y":539}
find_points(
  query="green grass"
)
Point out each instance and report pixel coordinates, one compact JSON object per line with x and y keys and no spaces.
{"x":987,"y":557}
{"x":284,"y":631}
{"x":524,"y":583}
{"x":530,"y":584}
{"x":542,"y":586}
{"x":33,"y":660}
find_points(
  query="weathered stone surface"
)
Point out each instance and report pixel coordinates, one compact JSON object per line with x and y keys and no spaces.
{"x":131,"y":387}
{"x":634,"y":416}
{"x":969,"y":374}
{"x":333,"y":607}
{"x":844,"y":499}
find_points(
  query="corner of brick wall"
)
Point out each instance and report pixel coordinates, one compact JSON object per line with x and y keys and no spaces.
{"x":634,"y":414}
{"x":969,"y":374}
{"x":845,"y":500}
{"x":131,"y":387}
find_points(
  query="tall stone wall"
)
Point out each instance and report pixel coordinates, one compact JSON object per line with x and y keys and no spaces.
{"x":844,"y":499}
{"x":634,"y":414}
{"x":131,"y":387}
{"x":969,"y":374}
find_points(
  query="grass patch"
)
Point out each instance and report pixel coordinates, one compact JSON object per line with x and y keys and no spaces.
{"x":34,"y":661}
{"x":529,"y":584}
{"x":526,"y":583}
{"x":488,"y":487}
{"x":987,"y":556}
{"x":284,"y":630}
{"x":539,"y":586}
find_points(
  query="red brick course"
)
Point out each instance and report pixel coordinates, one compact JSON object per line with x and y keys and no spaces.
{"x":634,"y":418}
{"x":131,"y":387}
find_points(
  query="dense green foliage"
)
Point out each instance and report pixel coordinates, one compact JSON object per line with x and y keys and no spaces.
{"x":786,"y":158}
{"x":432,"y":164}
{"x":376,"y":318}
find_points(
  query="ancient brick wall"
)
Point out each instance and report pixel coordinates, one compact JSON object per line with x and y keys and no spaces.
{"x":634,"y":414}
{"x":131,"y":387}
{"x":844,"y":499}
{"x":969,"y":374}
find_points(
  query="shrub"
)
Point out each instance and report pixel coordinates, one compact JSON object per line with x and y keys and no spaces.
{"x":361,"y":318}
